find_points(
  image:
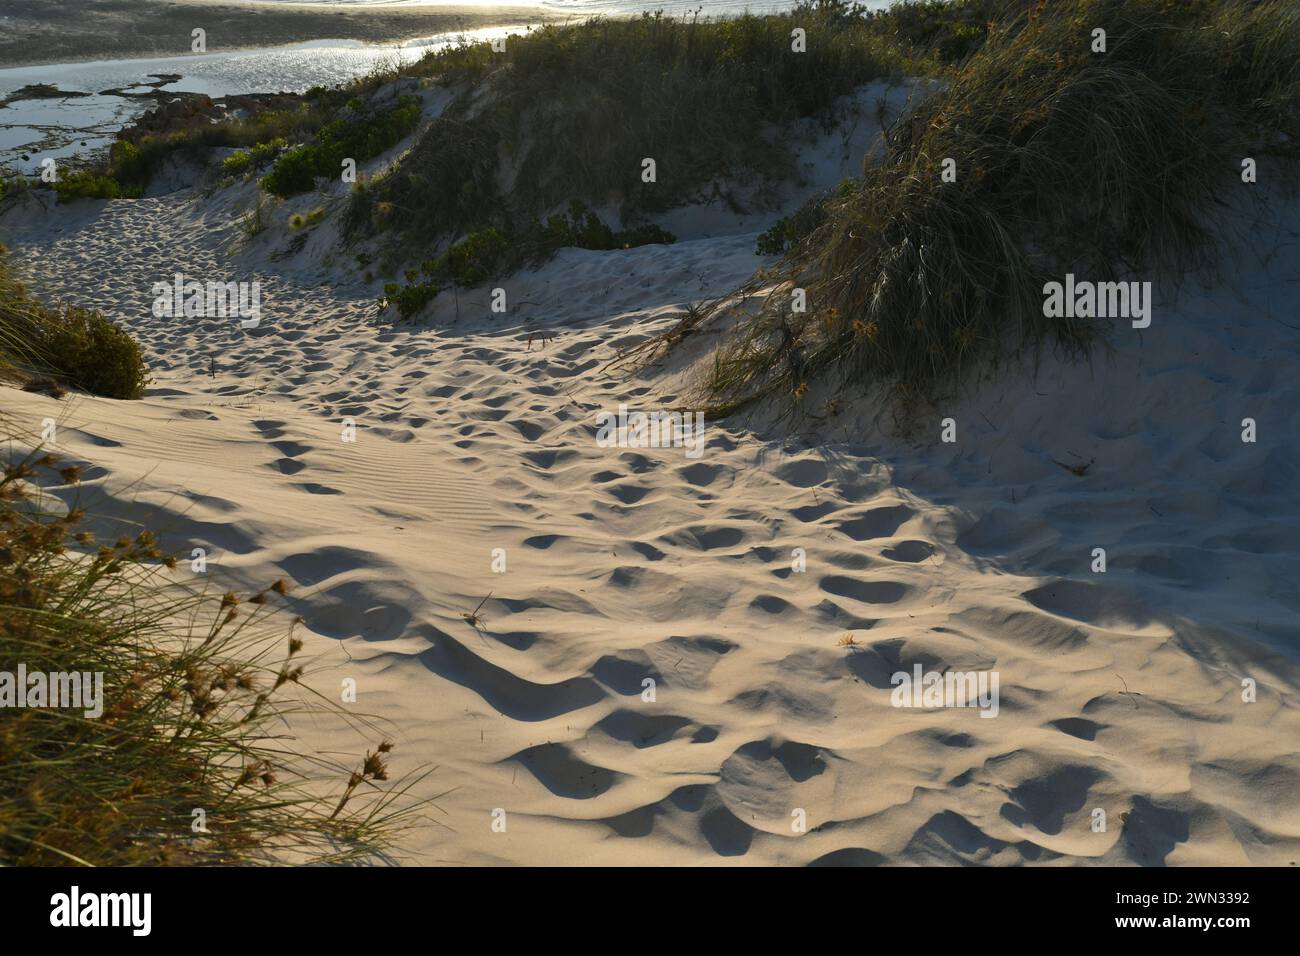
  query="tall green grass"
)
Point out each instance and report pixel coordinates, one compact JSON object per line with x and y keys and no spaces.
{"x":357,"y":136}
{"x":1067,"y":160}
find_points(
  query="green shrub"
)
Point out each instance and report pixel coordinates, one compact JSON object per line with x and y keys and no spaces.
{"x":951,"y":30}
{"x":492,"y":251}
{"x":408,"y":299}
{"x":132,"y":164}
{"x":775,"y":240}
{"x":583,"y":229}
{"x":84,"y":184}
{"x":356,"y":138}
{"x":237,"y":164}
{"x":789,"y":231}
{"x":646,"y":234}
{"x":296,"y":171}
{"x":473,"y":261}
{"x":125,"y":176}
{"x":78,"y":347}
{"x":15,"y":186}
{"x":90,"y":352}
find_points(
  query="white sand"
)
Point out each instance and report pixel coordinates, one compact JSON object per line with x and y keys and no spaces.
{"x":1119,"y":691}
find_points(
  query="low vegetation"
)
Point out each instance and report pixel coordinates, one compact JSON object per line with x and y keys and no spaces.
{"x":1066,"y":159}
{"x":255,"y":157}
{"x":86,"y":184}
{"x":356,"y":135}
{"x":311,"y":218}
{"x":576,"y":109}
{"x":68,"y":346}
{"x":132,"y":164}
{"x":492,"y":251}
{"x":784,"y":234}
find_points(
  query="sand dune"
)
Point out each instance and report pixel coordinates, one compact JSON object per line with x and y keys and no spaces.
{"x":1119,"y":691}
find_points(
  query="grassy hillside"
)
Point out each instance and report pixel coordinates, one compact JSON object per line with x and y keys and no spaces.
{"x":573,"y":112}
{"x":1066,"y":159}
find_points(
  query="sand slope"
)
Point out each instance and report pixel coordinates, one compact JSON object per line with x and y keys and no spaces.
{"x":1119,"y":691}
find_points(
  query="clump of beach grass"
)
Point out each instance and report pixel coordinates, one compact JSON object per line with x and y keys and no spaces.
{"x":255,"y":221}
{"x":188,"y":762}
{"x":313,"y":217}
{"x":67,"y":345}
{"x":1099,"y":163}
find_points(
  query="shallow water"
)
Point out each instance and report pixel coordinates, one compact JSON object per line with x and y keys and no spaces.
{"x":58,"y":129}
